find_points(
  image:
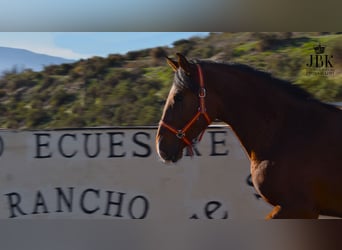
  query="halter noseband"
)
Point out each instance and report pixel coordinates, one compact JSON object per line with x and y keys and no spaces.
{"x":181,"y":133}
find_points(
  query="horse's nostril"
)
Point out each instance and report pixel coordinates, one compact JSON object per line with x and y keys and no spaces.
{"x":162,"y":155}
{"x":168,"y":158}
{"x":174,"y":158}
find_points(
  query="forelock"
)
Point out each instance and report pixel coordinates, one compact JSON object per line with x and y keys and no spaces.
{"x":184,"y":81}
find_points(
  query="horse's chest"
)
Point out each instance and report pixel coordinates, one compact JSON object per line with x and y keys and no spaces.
{"x":267,"y":179}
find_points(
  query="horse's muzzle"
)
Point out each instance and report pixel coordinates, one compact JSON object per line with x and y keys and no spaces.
{"x":169,"y":158}
{"x":169,"y":154}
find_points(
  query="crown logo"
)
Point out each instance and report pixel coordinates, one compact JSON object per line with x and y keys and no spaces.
{"x":319,"y":49}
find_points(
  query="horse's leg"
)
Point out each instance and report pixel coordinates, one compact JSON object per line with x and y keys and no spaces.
{"x":279,"y":212}
{"x":274,"y":211}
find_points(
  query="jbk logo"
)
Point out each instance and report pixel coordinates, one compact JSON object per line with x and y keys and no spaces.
{"x":320,"y":63}
{"x":320,"y":59}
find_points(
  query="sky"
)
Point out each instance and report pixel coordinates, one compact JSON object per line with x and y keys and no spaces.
{"x":77,"y":45}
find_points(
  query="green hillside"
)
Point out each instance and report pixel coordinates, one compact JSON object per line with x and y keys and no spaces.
{"x":130,"y":89}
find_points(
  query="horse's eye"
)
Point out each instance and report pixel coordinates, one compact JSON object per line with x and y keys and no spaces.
{"x":178,"y":97}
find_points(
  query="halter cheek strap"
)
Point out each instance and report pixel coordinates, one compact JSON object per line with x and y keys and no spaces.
{"x":181,"y":133}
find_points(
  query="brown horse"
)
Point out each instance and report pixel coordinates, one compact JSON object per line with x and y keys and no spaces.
{"x":294,"y":142}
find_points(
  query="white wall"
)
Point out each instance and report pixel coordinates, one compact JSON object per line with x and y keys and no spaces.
{"x":114,"y":173}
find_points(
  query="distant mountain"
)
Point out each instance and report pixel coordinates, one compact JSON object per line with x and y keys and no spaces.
{"x":25,"y":59}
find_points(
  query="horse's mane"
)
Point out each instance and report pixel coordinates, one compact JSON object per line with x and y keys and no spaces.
{"x":283,"y":85}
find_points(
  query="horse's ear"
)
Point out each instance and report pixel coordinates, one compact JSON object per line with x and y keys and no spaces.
{"x":174,"y":65}
{"x":183,"y":63}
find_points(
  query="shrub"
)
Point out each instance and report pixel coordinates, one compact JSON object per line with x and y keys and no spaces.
{"x":158,"y":54}
{"x":62,"y":97}
{"x":36,"y":117}
{"x":267,"y":41}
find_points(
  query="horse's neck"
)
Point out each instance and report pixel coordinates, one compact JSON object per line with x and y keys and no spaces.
{"x":257,"y":118}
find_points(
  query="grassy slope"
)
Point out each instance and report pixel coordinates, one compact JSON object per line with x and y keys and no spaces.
{"x":130,"y":89}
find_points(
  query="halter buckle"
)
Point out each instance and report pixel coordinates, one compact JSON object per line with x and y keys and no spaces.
{"x":180,"y":134}
{"x":202,"y":93}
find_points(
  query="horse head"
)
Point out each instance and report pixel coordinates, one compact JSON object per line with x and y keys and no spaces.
{"x":187,"y":111}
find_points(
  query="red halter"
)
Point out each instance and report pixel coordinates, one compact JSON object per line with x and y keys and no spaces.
{"x":181,"y":133}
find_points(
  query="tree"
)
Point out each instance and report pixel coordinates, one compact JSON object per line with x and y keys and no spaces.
{"x":157,"y":54}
